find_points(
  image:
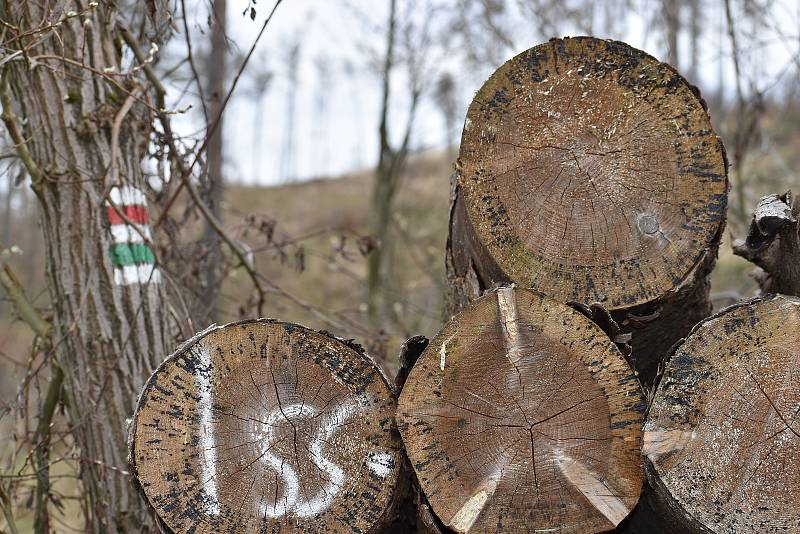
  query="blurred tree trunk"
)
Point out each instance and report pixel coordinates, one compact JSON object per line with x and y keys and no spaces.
{"x":695,"y":34}
{"x":446,"y":101}
{"x":6,"y":237}
{"x":385,"y":180}
{"x":749,"y":111}
{"x":391,"y":161}
{"x":288,"y":170}
{"x":216,"y":69}
{"x":7,"y":217}
{"x":86,"y":131}
{"x":672,"y":26}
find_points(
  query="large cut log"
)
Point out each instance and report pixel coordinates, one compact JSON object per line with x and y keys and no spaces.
{"x":722,"y":437}
{"x":773,"y":244}
{"x":522,"y":416}
{"x":589,"y":171}
{"x":264,"y":426}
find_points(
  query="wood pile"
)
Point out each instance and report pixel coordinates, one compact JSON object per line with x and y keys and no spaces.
{"x":582,"y":385}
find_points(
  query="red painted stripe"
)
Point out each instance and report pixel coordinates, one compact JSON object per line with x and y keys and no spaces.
{"x":136,"y":213}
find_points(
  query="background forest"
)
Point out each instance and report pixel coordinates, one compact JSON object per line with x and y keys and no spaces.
{"x":297,"y":159}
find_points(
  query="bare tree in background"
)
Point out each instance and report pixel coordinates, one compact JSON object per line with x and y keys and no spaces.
{"x":292,"y":63}
{"x":319,"y":130}
{"x":696,"y":21}
{"x":401,"y":32}
{"x":483,"y":30}
{"x":216,"y":72}
{"x":445,"y":97}
{"x":671,"y":11}
{"x":748,"y":113}
{"x":262,"y":81}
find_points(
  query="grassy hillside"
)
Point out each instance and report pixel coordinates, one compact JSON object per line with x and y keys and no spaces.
{"x":335,"y":214}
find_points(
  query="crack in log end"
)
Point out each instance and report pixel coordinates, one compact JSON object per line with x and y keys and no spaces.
{"x":593,"y":488}
{"x":509,"y":322}
{"x":659,"y":442}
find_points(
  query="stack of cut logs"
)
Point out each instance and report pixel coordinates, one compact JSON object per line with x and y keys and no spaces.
{"x":582,"y":385}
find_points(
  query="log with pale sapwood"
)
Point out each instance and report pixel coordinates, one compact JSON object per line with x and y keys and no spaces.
{"x":265,"y":426}
{"x":523,"y":416}
{"x":722,"y":437}
{"x":589,"y":171}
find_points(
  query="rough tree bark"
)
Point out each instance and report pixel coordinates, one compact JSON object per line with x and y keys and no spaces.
{"x":773,"y":244}
{"x":722,"y":437}
{"x":589,"y":171}
{"x":80,"y":134}
{"x":262,"y":426}
{"x":522,"y":416}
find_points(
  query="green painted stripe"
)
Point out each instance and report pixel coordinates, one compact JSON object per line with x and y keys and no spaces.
{"x":131,"y":254}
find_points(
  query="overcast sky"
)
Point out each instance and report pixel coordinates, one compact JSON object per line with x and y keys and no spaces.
{"x":338,"y":91}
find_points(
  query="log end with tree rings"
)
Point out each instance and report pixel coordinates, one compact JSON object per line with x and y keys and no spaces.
{"x":591,"y":172}
{"x":722,"y":437}
{"x":522,"y":416}
{"x":265,"y":426}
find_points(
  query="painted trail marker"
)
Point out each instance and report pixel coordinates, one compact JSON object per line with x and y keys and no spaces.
{"x":264,"y":425}
{"x":133,"y":259}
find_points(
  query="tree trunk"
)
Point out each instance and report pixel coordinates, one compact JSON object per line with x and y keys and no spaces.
{"x":288,"y":170}
{"x":383,"y":190}
{"x":261,"y":426}
{"x":8,"y":218}
{"x":83,"y":142}
{"x":722,"y":436}
{"x":522,"y":416}
{"x":773,"y":244}
{"x":216,"y":68}
{"x":671,"y":11}
{"x":590,"y":172}
{"x":696,"y":24}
